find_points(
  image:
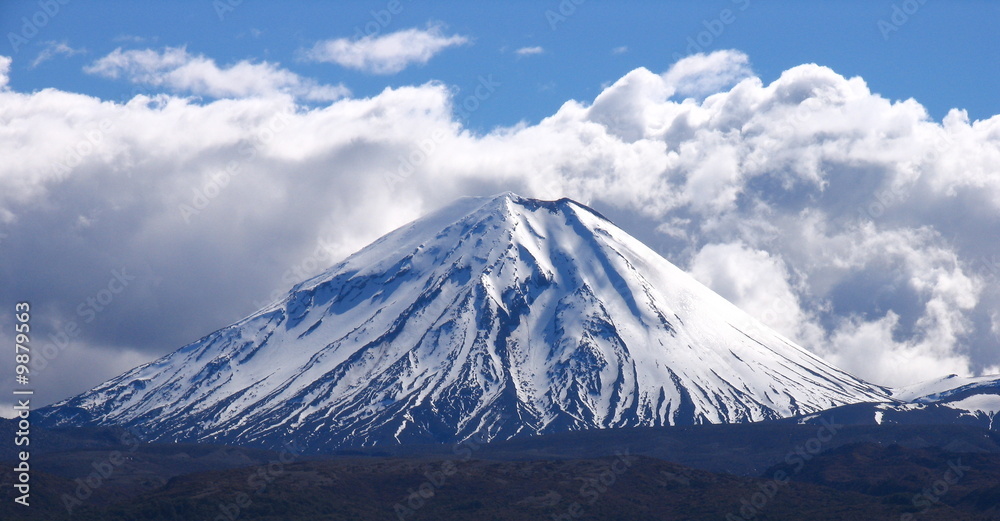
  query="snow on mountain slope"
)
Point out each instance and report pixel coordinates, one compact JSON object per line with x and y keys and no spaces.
{"x":497,"y":317}
{"x":951,"y":400}
{"x":975,"y":397}
{"x":931,"y":390}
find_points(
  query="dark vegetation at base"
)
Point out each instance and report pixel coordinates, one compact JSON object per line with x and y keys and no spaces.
{"x":523,"y":490}
{"x":966,"y":481}
{"x":863,"y":472}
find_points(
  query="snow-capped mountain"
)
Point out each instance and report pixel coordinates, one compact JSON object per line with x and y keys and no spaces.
{"x":497,"y":317}
{"x":975,"y":399}
{"x":948,"y":389}
{"x":951,"y":400}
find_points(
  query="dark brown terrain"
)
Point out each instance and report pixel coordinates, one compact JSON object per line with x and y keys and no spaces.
{"x":901,"y":473}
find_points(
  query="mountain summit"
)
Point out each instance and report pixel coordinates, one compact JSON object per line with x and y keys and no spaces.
{"x":497,"y":317}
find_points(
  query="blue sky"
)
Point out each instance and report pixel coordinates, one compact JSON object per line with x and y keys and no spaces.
{"x":945,"y":54}
{"x":832,"y":168}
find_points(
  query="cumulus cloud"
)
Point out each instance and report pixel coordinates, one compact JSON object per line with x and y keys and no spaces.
{"x":623,"y":108}
{"x":854,"y":224}
{"x":701,"y":74}
{"x":756,"y":280}
{"x":53,"y":49}
{"x":180,"y":71}
{"x":527,"y":51}
{"x":386,"y":54}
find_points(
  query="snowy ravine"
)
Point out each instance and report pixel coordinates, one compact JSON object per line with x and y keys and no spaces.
{"x":499,"y":317}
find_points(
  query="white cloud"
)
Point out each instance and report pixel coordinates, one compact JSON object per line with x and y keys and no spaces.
{"x":701,"y":74}
{"x":758,"y":283}
{"x":853,"y":224}
{"x":527,"y":51}
{"x":131,"y":38}
{"x":386,"y":54}
{"x":873,"y":344}
{"x":53,"y":49}
{"x":619,"y":50}
{"x":176,"y":69}
{"x":622,"y":107}
{"x":5,"y":62}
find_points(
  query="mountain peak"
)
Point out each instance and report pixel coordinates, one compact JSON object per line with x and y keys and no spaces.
{"x":493,"y":316}
{"x":509,"y":203}
{"x":508,"y":195}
